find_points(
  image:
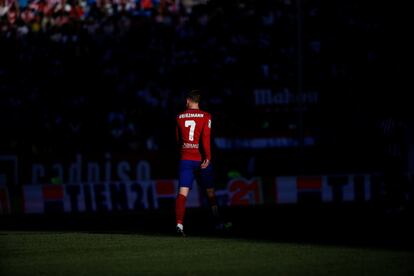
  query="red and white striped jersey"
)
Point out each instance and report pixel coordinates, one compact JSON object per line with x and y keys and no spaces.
{"x":193,"y":133}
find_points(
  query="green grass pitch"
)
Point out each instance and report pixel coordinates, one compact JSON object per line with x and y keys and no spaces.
{"x":79,"y":253}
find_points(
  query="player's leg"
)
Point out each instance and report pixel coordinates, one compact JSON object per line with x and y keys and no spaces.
{"x":186,"y":178}
{"x":220,"y":223}
{"x":180,"y":209}
{"x":206,"y":180}
{"x":211,"y":196}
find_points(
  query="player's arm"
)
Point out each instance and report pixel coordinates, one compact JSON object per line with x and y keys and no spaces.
{"x":206,"y":139}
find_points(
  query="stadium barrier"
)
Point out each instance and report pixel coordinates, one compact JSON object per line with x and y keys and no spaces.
{"x":112,"y":183}
{"x":160,"y":194}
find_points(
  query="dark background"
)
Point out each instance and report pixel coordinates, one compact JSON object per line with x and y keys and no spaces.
{"x":96,"y":79}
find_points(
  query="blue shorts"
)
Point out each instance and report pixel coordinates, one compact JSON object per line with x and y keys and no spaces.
{"x":190,"y":170}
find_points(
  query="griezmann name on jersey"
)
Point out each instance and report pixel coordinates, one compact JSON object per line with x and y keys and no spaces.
{"x":193,"y":134}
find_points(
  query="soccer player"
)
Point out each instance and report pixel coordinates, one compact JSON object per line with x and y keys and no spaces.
{"x":193,"y":137}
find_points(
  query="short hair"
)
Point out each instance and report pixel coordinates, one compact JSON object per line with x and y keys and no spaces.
{"x":194,"y":95}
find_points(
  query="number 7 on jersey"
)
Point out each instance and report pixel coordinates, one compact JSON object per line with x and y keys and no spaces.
{"x":191,"y":124}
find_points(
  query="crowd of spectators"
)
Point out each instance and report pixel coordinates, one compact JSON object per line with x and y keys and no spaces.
{"x":110,"y":75}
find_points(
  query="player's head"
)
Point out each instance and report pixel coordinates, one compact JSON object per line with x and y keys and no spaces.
{"x":193,"y":97}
